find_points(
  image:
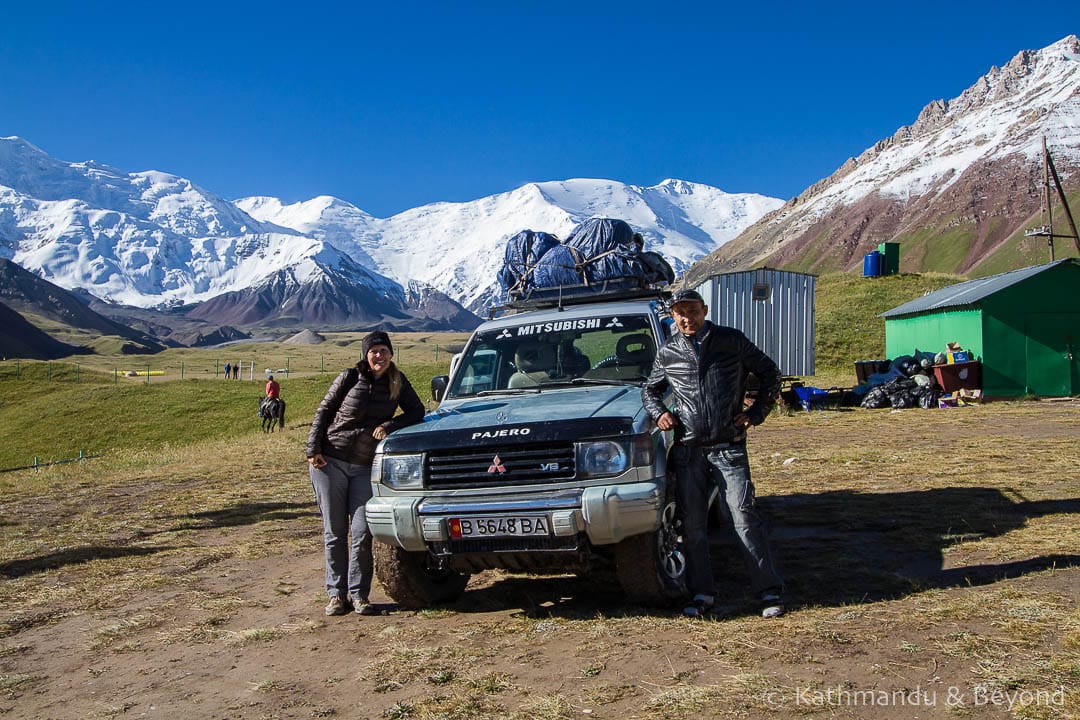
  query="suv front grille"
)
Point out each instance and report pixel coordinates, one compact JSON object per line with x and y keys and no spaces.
{"x":517,"y":465}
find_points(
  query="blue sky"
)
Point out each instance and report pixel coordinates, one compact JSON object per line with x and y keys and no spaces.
{"x":407,"y":103}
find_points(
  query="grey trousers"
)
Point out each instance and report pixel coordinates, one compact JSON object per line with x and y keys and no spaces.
{"x":342,"y":489}
{"x":696,"y":471}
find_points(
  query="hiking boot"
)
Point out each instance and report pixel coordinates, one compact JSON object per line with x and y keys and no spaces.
{"x":699,"y":607}
{"x":336,"y":606}
{"x":772,"y":604}
{"x":361,"y":606}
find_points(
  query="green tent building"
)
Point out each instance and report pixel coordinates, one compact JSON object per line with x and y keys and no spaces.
{"x":1023,"y":325}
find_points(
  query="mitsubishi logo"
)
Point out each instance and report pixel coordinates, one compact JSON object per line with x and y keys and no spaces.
{"x":496,"y":466}
{"x":614,"y":323}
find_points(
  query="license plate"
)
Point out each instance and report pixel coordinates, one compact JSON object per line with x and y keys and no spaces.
{"x":499,"y":526}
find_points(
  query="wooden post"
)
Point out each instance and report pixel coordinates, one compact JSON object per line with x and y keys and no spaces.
{"x":1046,"y":199}
{"x":1064,"y":203}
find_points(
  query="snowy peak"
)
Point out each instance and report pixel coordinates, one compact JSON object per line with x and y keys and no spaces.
{"x":150,"y":238}
{"x":968,"y":168}
{"x":458,"y":247}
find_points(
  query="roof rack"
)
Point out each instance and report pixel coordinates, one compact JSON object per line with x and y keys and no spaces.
{"x":563,"y":295}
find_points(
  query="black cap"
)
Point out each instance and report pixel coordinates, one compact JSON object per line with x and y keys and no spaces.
{"x":376,"y":338}
{"x":686,"y":296}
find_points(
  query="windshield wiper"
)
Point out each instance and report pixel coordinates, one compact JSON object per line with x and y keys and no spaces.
{"x":506,"y":391}
{"x":587,"y":381}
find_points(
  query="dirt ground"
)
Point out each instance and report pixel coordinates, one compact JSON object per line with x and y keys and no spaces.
{"x":898,"y":608}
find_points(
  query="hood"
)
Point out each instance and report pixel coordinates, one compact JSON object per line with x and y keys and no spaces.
{"x":556,"y":414}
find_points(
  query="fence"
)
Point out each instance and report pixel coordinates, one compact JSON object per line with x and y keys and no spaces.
{"x":37,"y":464}
{"x":210,"y":364}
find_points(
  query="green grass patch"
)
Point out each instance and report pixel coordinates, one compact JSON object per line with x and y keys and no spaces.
{"x":847,"y":327}
{"x":53,"y":411}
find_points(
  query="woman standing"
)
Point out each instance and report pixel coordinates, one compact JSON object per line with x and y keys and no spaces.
{"x":357,"y":412}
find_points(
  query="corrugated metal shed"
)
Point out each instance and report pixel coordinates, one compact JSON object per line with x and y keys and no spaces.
{"x":969,"y":292}
{"x":774,"y":308}
{"x":1022,"y":327}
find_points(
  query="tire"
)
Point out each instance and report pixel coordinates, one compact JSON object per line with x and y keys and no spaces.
{"x":410,"y":580}
{"x":652,"y":567}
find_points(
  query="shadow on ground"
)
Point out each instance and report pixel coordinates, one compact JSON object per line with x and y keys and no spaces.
{"x":73,"y":556}
{"x":833,"y":549}
{"x":245,"y":514}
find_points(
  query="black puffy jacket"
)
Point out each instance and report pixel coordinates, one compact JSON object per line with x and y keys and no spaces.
{"x":354,"y":406}
{"x":708,"y":392}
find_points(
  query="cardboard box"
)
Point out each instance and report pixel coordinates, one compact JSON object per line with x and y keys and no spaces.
{"x":957,"y":357}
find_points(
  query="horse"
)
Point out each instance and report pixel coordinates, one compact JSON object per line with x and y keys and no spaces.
{"x":272,"y":412}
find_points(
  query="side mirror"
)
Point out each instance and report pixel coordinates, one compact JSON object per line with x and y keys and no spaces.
{"x":439,"y":384}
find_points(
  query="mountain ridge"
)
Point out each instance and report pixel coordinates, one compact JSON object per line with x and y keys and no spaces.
{"x":957,"y":187}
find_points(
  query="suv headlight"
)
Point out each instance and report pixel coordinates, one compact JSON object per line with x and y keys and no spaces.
{"x":600,"y":458}
{"x":399,"y":472}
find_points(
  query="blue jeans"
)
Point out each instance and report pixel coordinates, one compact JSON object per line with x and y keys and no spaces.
{"x":342,"y":489}
{"x":728,"y":467}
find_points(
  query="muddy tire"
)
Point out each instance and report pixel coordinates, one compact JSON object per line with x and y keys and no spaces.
{"x":652,"y":567}
{"x":412,"y":581}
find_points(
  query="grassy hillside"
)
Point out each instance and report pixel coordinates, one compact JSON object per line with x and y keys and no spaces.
{"x":847,"y":325}
{"x":54,"y":410}
{"x":50,"y":412}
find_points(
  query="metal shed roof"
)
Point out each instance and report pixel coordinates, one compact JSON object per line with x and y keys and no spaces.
{"x":970,"y":292}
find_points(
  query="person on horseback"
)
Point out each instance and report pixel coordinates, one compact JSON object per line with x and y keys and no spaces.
{"x":272,"y":407}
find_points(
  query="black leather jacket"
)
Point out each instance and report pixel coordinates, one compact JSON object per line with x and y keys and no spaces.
{"x":707,"y":392}
{"x":354,"y":406}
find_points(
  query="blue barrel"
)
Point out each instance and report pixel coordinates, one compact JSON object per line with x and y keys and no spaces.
{"x":871,"y":264}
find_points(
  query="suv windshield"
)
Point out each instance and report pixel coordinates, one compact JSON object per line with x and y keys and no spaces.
{"x":601,"y":349}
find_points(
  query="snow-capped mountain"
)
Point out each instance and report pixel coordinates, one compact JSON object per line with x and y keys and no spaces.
{"x":150,"y":238}
{"x":956,"y":188}
{"x":458,"y":247}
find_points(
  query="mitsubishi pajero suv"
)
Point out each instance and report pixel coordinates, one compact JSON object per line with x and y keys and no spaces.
{"x":539,"y":458}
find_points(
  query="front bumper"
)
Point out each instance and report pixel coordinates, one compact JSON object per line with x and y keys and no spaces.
{"x":606,"y":514}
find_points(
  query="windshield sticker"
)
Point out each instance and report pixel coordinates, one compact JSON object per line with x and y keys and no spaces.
{"x":558,"y":326}
{"x":614,"y":323}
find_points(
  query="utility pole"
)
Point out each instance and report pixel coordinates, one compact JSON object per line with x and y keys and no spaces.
{"x":1047,"y":230}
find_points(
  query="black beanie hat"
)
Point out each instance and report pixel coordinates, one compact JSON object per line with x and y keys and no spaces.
{"x":376,"y":338}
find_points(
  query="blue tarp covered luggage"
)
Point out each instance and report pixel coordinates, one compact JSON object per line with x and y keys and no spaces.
{"x":600,"y":254}
{"x":523,"y":251}
{"x":607,"y":250}
{"x":557,"y":268}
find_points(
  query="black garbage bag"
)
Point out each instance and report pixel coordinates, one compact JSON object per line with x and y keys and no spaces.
{"x":902,"y":398}
{"x":657,"y":269}
{"x":927,"y":396}
{"x":875,"y":398}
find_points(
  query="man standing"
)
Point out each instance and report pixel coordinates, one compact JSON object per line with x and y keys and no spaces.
{"x":705,"y":366}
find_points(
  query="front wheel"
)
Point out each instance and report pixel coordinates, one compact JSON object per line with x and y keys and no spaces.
{"x":412,"y":580}
{"x":652,"y":567}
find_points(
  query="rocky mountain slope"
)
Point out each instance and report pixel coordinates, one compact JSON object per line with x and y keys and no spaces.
{"x":957,"y":188}
{"x":26,"y":294}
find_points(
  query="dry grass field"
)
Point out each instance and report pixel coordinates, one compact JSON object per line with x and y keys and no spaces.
{"x":932,"y":560}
